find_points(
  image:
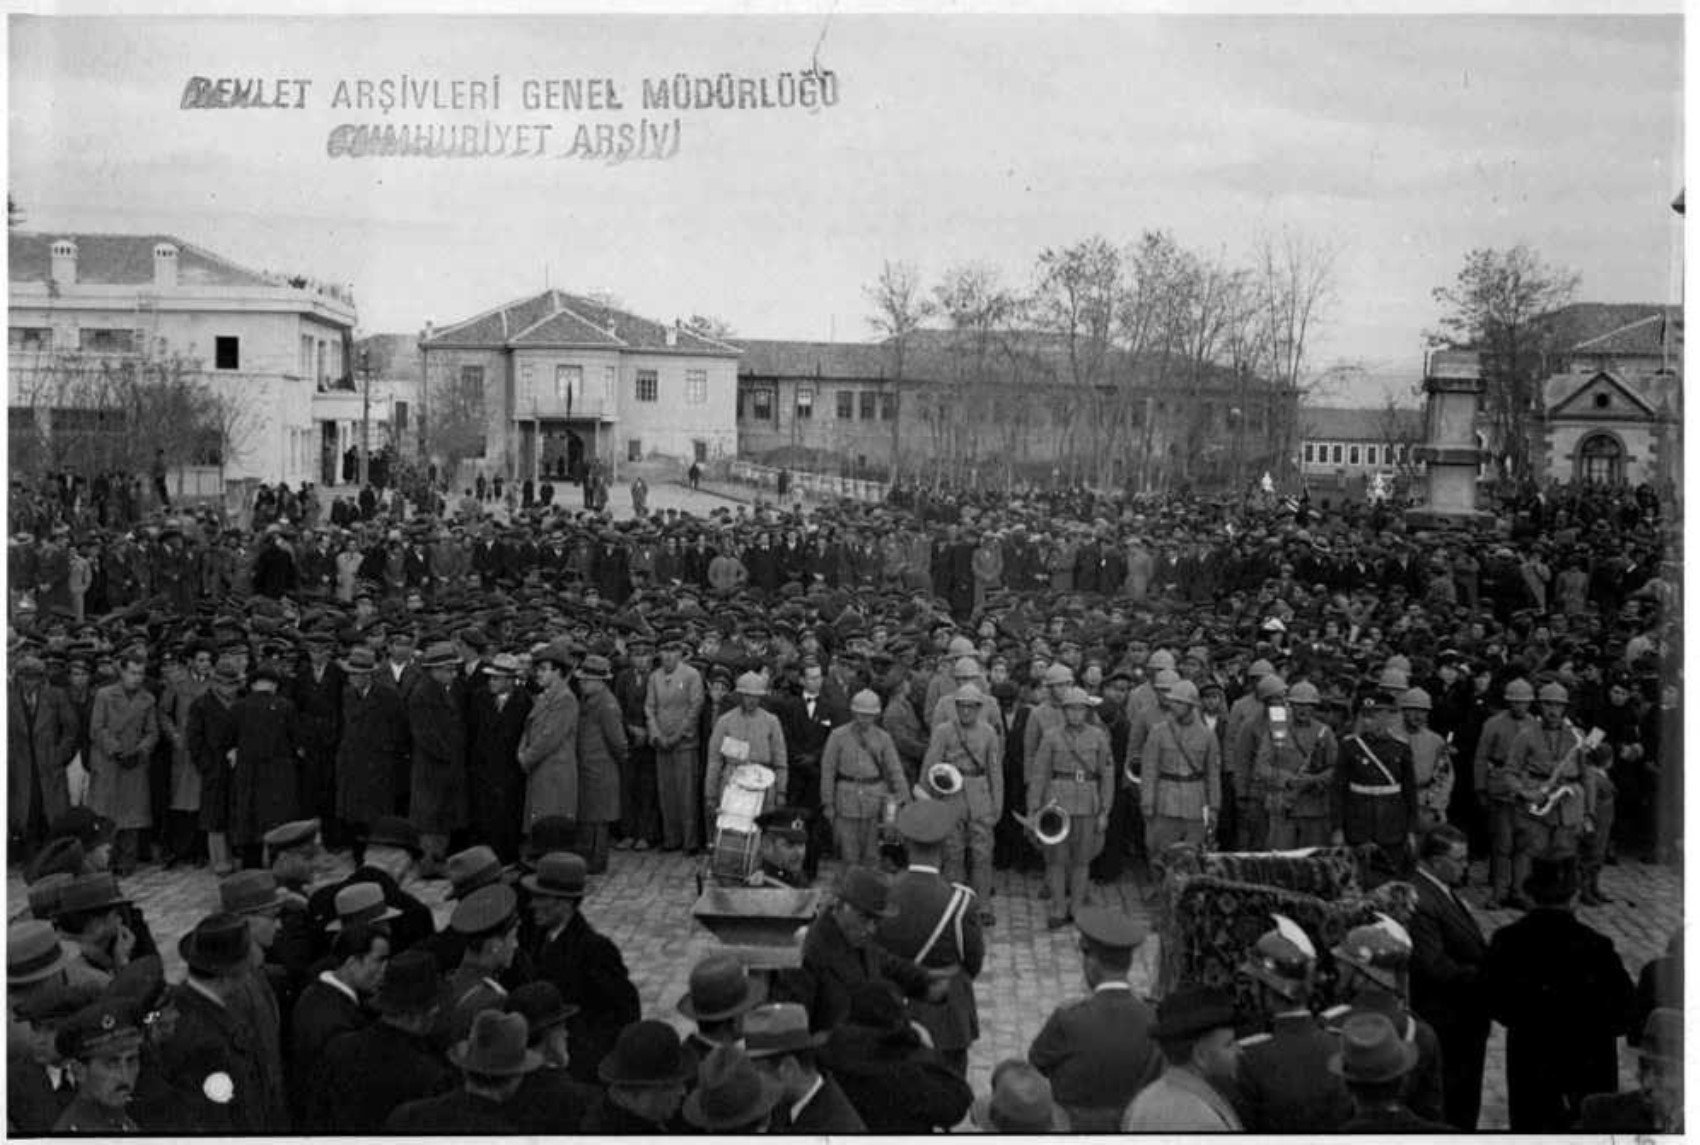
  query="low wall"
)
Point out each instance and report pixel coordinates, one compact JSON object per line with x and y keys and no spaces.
{"x":804,"y":486}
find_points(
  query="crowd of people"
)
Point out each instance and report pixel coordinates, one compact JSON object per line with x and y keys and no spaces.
{"x":936,"y":685}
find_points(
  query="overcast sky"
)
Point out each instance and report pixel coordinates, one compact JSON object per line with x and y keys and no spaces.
{"x":1404,"y":141}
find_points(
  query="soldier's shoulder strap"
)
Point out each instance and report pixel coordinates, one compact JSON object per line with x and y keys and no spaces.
{"x":1255,"y":1040}
{"x":1334,"y":1015}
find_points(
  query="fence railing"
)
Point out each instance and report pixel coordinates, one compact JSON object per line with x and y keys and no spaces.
{"x":805,"y":485}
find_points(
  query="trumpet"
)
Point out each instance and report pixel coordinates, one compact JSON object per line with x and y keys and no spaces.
{"x":1050,"y":824}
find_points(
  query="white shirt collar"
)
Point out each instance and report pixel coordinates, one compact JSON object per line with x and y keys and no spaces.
{"x":1114,"y":984}
{"x":336,"y":983}
{"x":820,"y":1080}
{"x":923,"y":867}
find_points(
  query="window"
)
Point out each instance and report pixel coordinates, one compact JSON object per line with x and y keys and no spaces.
{"x":1310,"y":453}
{"x":647,"y":387}
{"x":888,"y":407}
{"x":869,"y":397}
{"x":1370,"y":454}
{"x":106,"y":341}
{"x":696,"y":388}
{"x":607,"y":385}
{"x":634,"y":446}
{"x":31,"y":338}
{"x":846,"y":405}
{"x":227,"y":353}
{"x":306,"y":356}
{"x":1600,"y":460}
{"x":525,"y":398}
{"x":805,"y":404}
{"x":761,"y":405}
{"x":1352,"y":455}
{"x":471,"y":379}
{"x":569,"y":386}
{"x":1602,"y":401}
{"x":401,"y":417}
{"x":1338,"y":451}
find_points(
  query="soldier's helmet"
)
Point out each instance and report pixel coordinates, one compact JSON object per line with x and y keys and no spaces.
{"x":1304,"y":692}
{"x":1553,"y":693}
{"x":1380,"y":951}
{"x":1519,"y":690}
{"x":1283,"y":959}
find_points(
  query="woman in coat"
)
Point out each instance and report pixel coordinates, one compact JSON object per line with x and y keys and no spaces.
{"x":601,"y":755}
{"x":265,"y":787}
{"x":548,"y":751}
{"x":373,"y":749}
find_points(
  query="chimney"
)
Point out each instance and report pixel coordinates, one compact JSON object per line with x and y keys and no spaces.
{"x":164,"y":266}
{"x":64,"y":262}
{"x":673,"y":333}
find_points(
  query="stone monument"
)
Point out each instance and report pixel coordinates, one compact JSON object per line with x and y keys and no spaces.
{"x":1453,"y":382}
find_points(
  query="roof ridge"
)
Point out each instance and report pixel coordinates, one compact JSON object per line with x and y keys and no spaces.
{"x":609,"y":332}
{"x":479,"y":317}
{"x":1615,"y":331}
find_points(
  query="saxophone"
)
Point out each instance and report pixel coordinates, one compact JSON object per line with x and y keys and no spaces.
{"x":1557,"y":788}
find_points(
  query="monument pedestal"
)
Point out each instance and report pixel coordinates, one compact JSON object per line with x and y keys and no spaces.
{"x":1453,"y":382}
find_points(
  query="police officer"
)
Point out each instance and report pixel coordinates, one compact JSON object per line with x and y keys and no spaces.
{"x":1294,"y":770}
{"x":969,"y":744}
{"x":937,"y":928}
{"x":1375,"y":788}
{"x":1431,"y":758}
{"x":1373,"y":962}
{"x":1494,"y":790}
{"x":784,"y":841}
{"x":1545,"y":765}
{"x":1284,"y":1082}
{"x":1073,"y":769}
{"x":102,"y":1048}
{"x":860,"y":773}
{"x":1098,"y":1052}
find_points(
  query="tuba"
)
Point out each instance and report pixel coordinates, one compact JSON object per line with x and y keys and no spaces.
{"x":941,"y":781}
{"x":1050,"y":824}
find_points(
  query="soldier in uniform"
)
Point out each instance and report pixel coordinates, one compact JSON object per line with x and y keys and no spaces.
{"x":969,"y":744}
{"x":1242,"y":741}
{"x":1098,"y":1052}
{"x":1373,"y":961}
{"x":1546,"y":757}
{"x":1074,"y":769}
{"x":1284,"y":1083}
{"x":1494,"y":790}
{"x":1181,"y":780}
{"x":937,"y":929}
{"x":101,"y":1045}
{"x":488,"y":920}
{"x":1294,"y":770}
{"x":1375,"y":789}
{"x":749,"y":733}
{"x":860,"y":771}
{"x":1048,"y":713}
{"x":784,"y":840}
{"x":1431,"y":758}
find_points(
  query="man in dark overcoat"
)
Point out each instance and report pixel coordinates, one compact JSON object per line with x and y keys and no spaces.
{"x":42,"y":736}
{"x":601,"y":757}
{"x":438,"y":735}
{"x":496,"y":713}
{"x":1448,"y":956}
{"x":373,"y":747}
{"x":317,"y":693}
{"x":265,"y":787}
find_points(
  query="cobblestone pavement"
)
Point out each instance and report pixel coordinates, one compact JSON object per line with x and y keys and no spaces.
{"x":644,"y":903}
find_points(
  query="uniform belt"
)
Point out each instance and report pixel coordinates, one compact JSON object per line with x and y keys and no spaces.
{"x":872,"y":779}
{"x":1374,"y":788}
{"x":966,"y":774}
{"x":1180,"y":778}
{"x":1078,"y":775}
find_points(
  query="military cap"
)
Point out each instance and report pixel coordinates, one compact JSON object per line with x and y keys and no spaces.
{"x":65,"y":856}
{"x":785,"y":822}
{"x":1282,"y":958}
{"x":926,"y":821}
{"x":286,"y":836}
{"x":1111,"y":929}
{"x":968,"y":694}
{"x":1160,"y":660}
{"x":485,"y":910}
{"x":110,"y":1027}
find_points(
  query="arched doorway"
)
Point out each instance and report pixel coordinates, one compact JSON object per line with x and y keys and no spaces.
{"x":1599,"y":460}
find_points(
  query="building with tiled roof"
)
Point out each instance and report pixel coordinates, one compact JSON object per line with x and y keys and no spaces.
{"x":561,"y":380}
{"x":1342,"y":449}
{"x":88,"y":308}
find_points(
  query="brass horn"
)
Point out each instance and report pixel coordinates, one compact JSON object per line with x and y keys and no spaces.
{"x":944,"y":779}
{"x":1050,"y":824}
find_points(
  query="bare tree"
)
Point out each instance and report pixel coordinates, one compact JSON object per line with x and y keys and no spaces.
{"x":710,"y":327}
{"x":458,"y":427}
{"x":1492,"y":307}
{"x":900,"y":308}
{"x":1295,"y":284}
{"x":1074,"y":301}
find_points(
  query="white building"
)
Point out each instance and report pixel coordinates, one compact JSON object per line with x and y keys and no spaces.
{"x":86,"y":306}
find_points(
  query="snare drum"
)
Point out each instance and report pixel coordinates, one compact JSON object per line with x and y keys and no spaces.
{"x":735,"y":855}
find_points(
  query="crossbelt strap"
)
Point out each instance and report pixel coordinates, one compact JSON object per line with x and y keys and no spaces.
{"x":1374,"y":788}
{"x":957,"y":898}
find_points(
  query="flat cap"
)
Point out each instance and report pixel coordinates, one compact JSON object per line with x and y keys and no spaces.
{"x":287,"y":835}
{"x":1113,"y":929}
{"x":485,"y":909}
{"x":926,"y":821}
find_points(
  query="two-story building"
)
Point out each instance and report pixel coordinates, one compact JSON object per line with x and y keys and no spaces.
{"x":546,"y":385}
{"x":1343,"y":449}
{"x":91,"y":313}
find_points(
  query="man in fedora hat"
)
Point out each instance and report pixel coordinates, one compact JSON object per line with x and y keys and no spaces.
{"x":584,"y":965}
{"x":43,"y":735}
{"x":372,"y":755}
{"x":1195,"y":1028}
{"x":390,"y":851}
{"x":840,"y":952}
{"x":1098,"y":1052}
{"x":548,"y":749}
{"x":721,"y":992}
{"x":1020,"y":1102}
{"x":317,"y":690}
{"x":335,"y":1002}
{"x":731,"y":1095}
{"x":493,"y":1060}
{"x":438,"y":781}
{"x":1374,"y":1060}
{"x":214,"y":1053}
{"x":90,"y":917}
{"x":496,"y":718}
{"x":1656,"y":1107}
{"x":601,"y":759}
{"x":37,"y":1082}
{"x":778,"y":1040}
{"x":265,"y":785}
{"x":367,"y":1074}
{"x":1556,"y":1055}
{"x":123,"y":729}
{"x":645,"y":1074}
{"x":210,"y":733}
{"x":549,"y":1101}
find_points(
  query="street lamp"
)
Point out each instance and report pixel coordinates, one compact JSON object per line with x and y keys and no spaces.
{"x":366,"y":418}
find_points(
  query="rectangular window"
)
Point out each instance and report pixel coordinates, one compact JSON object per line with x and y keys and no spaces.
{"x":525,"y":394}
{"x":1310,"y":452}
{"x":306,"y":356}
{"x":805,"y":404}
{"x":888,"y":407}
{"x":227,"y":353}
{"x":1352,"y":455}
{"x":607,"y":385}
{"x":1338,"y":454}
{"x":648,"y":386}
{"x":869,"y":397}
{"x":569,"y":386}
{"x":1370,"y":453}
{"x":31,"y":338}
{"x":761,"y":405}
{"x":106,"y":341}
{"x":846,"y":405}
{"x":634,"y":446}
{"x":472,"y":379}
{"x":401,"y":417}
{"x":696,"y":387}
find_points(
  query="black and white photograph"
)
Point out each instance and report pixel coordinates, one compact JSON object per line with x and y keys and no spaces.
{"x":827,"y":570}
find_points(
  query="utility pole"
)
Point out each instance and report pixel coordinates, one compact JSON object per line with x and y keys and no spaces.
{"x":366,"y":418}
